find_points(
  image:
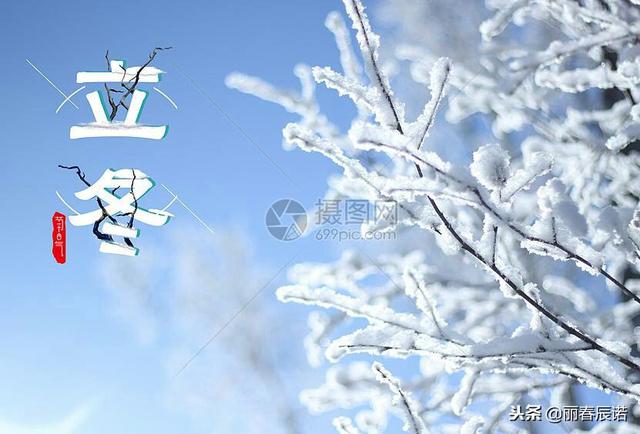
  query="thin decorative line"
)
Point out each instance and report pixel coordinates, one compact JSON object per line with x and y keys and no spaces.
{"x":235,"y":124}
{"x":202,"y":222}
{"x":232,"y":318}
{"x":65,"y":202}
{"x":50,"y":82}
{"x":166,"y":96}
{"x":170,"y":203}
{"x":68,"y":99}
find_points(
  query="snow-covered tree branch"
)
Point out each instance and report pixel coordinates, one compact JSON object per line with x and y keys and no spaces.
{"x":534,"y":288}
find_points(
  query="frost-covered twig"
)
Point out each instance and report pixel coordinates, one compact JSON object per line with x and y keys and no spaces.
{"x":480,"y":201}
{"x":369,"y":43}
{"x":413,"y":421}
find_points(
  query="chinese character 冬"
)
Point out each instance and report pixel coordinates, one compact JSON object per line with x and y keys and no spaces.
{"x":112,"y":205}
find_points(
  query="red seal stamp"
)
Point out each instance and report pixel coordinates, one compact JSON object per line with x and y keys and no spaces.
{"x":59,"y":237}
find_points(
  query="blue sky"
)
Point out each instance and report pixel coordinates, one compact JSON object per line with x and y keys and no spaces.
{"x":62,"y":348}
